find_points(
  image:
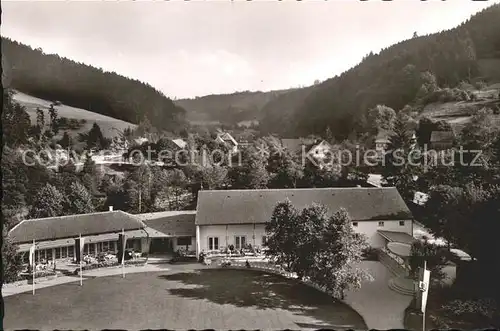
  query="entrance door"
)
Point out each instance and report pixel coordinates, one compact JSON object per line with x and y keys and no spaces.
{"x":161,"y":245}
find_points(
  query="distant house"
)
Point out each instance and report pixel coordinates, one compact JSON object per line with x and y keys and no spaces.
{"x":321,"y":150}
{"x":181,"y":143}
{"x":420,"y":198}
{"x":141,"y":140}
{"x":247,"y":124}
{"x":375,"y":180}
{"x":382,"y":141}
{"x":239,"y":217}
{"x":442,"y":139}
{"x":228,"y":140}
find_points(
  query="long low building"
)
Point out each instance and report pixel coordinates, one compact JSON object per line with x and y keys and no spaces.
{"x":56,"y":237}
{"x":239,"y":217}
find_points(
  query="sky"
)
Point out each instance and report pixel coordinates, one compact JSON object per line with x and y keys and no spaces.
{"x":188,"y":49}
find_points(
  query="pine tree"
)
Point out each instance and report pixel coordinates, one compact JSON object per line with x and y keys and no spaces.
{"x":66,"y":140}
{"x":54,"y":121}
{"x":11,"y":263}
{"x":79,"y":200}
{"x":401,"y":137}
{"x":16,"y":122}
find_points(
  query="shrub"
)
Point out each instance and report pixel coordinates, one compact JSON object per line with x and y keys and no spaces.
{"x":38,"y":274}
{"x":483,"y":307}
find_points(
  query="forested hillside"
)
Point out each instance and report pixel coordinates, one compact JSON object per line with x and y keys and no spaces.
{"x":394,"y":77}
{"x":228,"y":108}
{"x":52,"y":77}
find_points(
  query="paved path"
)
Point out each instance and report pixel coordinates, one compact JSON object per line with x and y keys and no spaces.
{"x":381,"y":307}
{"x":12,"y":289}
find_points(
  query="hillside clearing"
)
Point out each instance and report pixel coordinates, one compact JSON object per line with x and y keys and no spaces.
{"x":109,"y":125}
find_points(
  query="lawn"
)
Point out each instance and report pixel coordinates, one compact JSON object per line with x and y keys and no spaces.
{"x":207,"y":298}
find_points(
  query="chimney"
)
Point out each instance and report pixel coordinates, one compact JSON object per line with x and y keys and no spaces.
{"x":110,"y":208}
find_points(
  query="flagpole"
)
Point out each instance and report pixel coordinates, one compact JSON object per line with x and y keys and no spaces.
{"x":423,"y":312}
{"x":33,"y":267}
{"x":81,"y":257}
{"x":123,"y":253}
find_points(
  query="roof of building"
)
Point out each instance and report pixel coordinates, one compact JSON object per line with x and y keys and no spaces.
{"x":257,"y":206}
{"x":227,"y":138}
{"x":383,"y":136}
{"x":442,"y":136}
{"x":179,"y":143}
{"x":71,"y":226}
{"x":170,"y":223}
{"x":400,"y":237}
{"x":88,"y":239}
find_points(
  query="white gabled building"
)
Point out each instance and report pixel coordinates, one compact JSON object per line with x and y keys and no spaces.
{"x":239,"y":217}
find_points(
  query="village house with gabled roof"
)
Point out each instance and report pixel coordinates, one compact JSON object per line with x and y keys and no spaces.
{"x":239,"y":217}
{"x":228,"y":140}
{"x":441,"y":140}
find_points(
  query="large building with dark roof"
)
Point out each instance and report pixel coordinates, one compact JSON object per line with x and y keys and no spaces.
{"x":238,"y":217}
{"x":55,"y":237}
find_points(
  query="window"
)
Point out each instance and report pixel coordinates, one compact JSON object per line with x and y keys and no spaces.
{"x":354,"y":224}
{"x":105,"y":246}
{"x":99,"y":247}
{"x":43,"y":254}
{"x":58,"y":252}
{"x":112,"y":246}
{"x":64,"y":252}
{"x":239,"y":242}
{"x":183,"y":241}
{"x":91,"y":249}
{"x":129,"y":244}
{"x":213,"y":243}
{"x":70,"y":251}
{"x":85,"y":249}
{"x":264,"y":240}
{"x":401,"y":223}
{"x":381,"y":223}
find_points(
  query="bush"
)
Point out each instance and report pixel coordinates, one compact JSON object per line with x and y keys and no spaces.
{"x":38,"y":274}
{"x":446,"y":95}
{"x":482,"y":307}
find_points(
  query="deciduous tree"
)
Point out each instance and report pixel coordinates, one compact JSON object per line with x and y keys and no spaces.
{"x":317,"y":246}
{"x":49,"y":202}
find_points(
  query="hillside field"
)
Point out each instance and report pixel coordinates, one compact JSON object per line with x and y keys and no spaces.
{"x":108,"y":125}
